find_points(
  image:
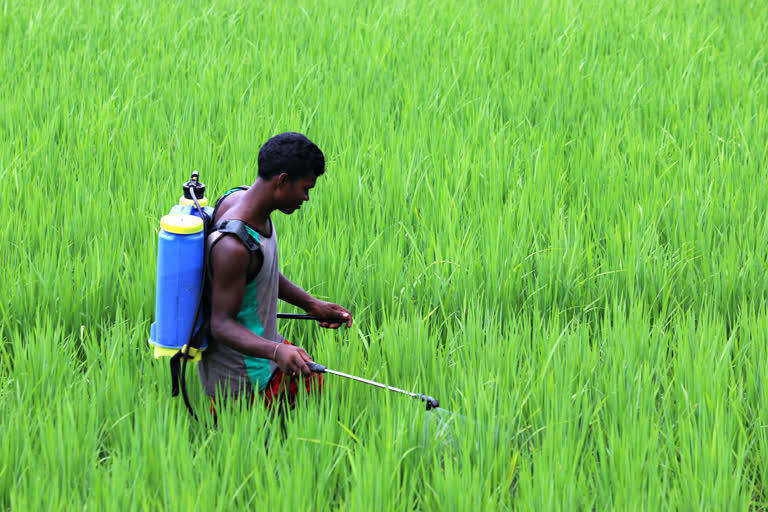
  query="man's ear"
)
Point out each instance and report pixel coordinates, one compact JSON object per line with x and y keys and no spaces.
{"x":282,"y":179}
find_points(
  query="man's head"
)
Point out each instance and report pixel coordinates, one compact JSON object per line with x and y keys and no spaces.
{"x":292,"y":163}
{"x":291,"y":153}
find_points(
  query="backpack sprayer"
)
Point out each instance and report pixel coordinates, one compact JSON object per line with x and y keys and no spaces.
{"x":180,"y":329}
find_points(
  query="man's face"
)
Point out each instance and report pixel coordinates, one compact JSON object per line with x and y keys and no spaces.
{"x":294,"y":193}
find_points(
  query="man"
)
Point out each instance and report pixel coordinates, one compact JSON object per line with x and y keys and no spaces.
{"x":247,"y":354}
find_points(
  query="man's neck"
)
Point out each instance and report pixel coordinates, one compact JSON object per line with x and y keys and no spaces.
{"x":255,"y":206}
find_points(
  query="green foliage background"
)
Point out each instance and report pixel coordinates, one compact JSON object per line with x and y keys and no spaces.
{"x":551,"y":216}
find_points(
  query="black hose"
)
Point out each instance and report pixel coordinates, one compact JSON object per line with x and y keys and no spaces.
{"x":185,"y":357}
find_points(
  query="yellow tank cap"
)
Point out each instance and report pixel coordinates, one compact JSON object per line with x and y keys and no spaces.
{"x":188,"y":202}
{"x":182,"y":224}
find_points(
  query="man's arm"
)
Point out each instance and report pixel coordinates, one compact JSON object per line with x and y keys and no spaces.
{"x":227,"y":291}
{"x":293,"y":294}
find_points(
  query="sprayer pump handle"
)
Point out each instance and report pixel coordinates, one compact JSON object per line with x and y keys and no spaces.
{"x":316,"y":368}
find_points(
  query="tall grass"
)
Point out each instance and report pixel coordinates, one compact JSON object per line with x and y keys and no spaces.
{"x":549,"y":216}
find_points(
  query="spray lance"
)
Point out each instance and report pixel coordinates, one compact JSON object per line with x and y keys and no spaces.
{"x":431,"y":402}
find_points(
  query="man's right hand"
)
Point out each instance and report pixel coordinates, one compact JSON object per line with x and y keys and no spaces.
{"x":291,"y":360}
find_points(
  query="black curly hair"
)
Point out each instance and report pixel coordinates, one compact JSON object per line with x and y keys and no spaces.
{"x":290,"y":153}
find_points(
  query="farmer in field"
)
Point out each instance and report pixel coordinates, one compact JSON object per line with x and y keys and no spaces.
{"x":247,"y":354}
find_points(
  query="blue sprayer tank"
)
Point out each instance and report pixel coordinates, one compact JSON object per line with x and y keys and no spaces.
{"x":180,"y":249}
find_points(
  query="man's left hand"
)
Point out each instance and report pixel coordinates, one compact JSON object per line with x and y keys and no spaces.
{"x":336,"y":315}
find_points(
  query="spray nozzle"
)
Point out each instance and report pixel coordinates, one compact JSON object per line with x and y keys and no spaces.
{"x":194,"y":185}
{"x":432,"y":403}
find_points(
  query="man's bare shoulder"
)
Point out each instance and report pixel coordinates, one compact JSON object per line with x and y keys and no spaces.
{"x":227,"y":251}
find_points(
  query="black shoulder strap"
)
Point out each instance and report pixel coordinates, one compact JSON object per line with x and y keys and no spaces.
{"x":237,"y":228}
